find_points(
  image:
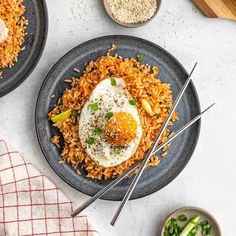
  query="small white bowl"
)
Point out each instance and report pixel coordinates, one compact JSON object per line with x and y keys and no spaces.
{"x":190,"y":212}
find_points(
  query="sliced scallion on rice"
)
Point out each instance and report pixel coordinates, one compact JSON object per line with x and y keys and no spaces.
{"x":117,"y":150}
{"x":90,"y":140}
{"x":97,"y":130}
{"x":132,"y":102}
{"x":75,"y":114}
{"x":139,"y":57}
{"x":109,"y":115}
{"x":94,"y":106}
{"x":113,"y":81}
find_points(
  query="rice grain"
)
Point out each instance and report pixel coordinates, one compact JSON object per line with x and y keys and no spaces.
{"x":134,"y":74}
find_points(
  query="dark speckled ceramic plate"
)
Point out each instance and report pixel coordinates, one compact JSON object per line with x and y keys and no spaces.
{"x":36,"y":14}
{"x":171,"y":71}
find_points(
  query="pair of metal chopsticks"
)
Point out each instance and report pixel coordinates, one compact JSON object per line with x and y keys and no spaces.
{"x":142,"y":163}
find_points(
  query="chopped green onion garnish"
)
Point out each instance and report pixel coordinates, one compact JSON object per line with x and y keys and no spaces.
{"x":182,"y":218}
{"x":205,"y":228}
{"x":75,"y":114}
{"x":191,"y":224}
{"x":139,"y":57}
{"x":117,"y":150}
{"x":132,"y":102}
{"x":94,"y":106}
{"x":113,"y":82}
{"x":90,"y":140}
{"x":109,"y":115}
{"x":97,"y":130}
{"x":193,"y":232}
{"x":172,"y":227}
{"x":176,"y":227}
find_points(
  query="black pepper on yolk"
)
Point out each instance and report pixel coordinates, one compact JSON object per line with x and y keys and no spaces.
{"x":121,"y":128}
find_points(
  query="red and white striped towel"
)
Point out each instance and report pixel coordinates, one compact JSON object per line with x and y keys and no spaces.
{"x":30,"y":204}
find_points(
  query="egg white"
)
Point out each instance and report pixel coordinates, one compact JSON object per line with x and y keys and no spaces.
{"x":109,"y":99}
{"x":3,"y":31}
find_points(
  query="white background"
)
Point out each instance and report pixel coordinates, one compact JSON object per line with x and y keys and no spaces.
{"x":209,"y":181}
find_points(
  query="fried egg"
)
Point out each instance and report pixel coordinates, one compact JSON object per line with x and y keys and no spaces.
{"x":3,"y":31}
{"x":109,"y":126}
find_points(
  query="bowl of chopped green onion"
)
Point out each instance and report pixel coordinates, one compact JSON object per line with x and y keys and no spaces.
{"x":190,"y":221}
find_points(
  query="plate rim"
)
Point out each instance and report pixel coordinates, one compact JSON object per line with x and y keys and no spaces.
{"x":39,"y":55}
{"x":93,"y":40}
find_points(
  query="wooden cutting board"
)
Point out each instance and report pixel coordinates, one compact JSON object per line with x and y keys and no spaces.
{"x":218,"y":8}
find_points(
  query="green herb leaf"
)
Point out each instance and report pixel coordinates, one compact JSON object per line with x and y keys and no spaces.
{"x":132,"y":102}
{"x":117,"y":150}
{"x":139,"y":57}
{"x":97,"y":130}
{"x":90,"y":140}
{"x":94,"y":106}
{"x":109,"y":115}
{"x":205,"y":228}
{"x":113,"y":81}
{"x":182,"y":218}
{"x":172,"y":227}
{"x":75,"y":114}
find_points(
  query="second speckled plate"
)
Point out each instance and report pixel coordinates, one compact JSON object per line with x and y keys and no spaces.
{"x":170,"y":71}
{"x":37,"y":16}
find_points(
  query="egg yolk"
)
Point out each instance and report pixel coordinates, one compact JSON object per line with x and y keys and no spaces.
{"x":121,"y":128}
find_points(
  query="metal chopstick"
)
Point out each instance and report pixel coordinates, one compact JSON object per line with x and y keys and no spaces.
{"x":121,"y":177}
{"x":150,"y":152}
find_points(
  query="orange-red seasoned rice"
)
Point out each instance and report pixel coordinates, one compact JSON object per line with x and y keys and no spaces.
{"x":11,"y":12}
{"x":144,"y":87}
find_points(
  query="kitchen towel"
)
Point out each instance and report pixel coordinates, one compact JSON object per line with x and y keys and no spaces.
{"x":30,"y":204}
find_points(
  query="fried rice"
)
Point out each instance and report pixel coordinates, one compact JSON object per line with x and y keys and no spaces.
{"x":145,"y":87}
{"x":11,"y":12}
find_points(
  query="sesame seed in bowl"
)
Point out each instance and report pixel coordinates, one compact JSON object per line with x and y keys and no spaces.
{"x":132,"y":13}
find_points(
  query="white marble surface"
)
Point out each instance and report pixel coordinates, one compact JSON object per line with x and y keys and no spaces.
{"x":209,"y":179}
